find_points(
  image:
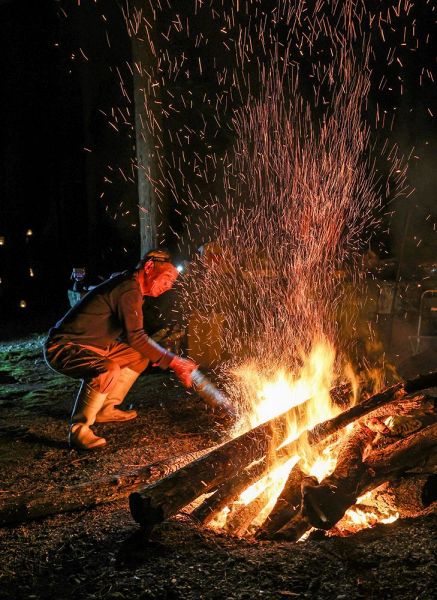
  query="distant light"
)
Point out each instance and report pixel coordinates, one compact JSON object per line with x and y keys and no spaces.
{"x":23,"y":304}
{"x":180,"y":268}
{"x":31,"y":273}
{"x":2,"y":240}
{"x":29,"y":232}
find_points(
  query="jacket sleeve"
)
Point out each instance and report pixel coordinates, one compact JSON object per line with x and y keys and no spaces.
{"x":130,"y":314}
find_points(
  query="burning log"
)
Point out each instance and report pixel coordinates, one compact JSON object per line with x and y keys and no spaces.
{"x":373,"y":403}
{"x":342,"y":482}
{"x":299,"y":524}
{"x":166,"y":497}
{"x":326,"y":503}
{"x":229,"y":491}
{"x":238,"y":522}
{"x":287,"y":505}
{"x":405,"y":406}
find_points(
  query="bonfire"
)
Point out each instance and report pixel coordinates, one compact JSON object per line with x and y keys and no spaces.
{"x":301,"y":199}
{"x":313,"y":466}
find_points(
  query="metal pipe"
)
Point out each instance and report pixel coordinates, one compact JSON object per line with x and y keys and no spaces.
{"x":211,"y":394}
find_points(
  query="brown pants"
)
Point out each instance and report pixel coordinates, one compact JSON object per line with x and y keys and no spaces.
{"x":99,"y":367}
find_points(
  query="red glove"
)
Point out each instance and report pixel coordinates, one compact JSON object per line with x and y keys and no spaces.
{"x":183,"y":368}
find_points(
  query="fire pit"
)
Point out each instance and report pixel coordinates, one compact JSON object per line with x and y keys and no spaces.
{"x":289,"y":474}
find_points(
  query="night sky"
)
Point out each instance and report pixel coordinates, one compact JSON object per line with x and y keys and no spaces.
{"x":65,"y":169}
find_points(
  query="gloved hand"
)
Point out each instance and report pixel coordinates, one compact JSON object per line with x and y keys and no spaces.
{"x":183,"y":367}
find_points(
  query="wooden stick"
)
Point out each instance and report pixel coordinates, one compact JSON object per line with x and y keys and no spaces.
{"x":26,"y":507}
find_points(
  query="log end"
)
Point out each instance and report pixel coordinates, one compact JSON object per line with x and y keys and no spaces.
{"x":146,"y":515}
{"x":325,"y":505}
{"x":294,"y":529}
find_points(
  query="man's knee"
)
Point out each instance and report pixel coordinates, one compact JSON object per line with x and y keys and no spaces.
{"x":106,"y":380}
{"x":139,"y":365}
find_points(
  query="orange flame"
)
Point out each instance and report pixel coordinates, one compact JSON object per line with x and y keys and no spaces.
{"x":275,"y":394}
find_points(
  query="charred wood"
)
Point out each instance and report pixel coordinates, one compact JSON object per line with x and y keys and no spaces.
{"x":166,"y":497}
{"x":287,"y":505}
{"x":229,"y":491}
{"x":238,"y":521}
{"x":326,"y":503}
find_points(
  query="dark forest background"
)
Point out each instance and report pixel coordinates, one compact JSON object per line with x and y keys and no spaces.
{"x":68,"y":190}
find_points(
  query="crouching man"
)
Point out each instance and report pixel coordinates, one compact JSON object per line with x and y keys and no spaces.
{"x":101,"y":341}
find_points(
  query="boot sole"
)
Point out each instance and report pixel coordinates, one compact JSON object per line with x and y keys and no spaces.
{"x":80,"y":447}
{"x":115,"y":420}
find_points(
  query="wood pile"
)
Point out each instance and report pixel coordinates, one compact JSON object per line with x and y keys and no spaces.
{"x":393,"y":439}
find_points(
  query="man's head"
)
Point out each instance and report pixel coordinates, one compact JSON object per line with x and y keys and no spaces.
{"x":156,"y":273}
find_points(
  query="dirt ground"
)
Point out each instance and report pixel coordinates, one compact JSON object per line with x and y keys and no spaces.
{"x":100,"y":553}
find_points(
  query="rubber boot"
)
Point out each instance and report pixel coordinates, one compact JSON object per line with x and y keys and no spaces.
{"x":110,"y":411}
{"x":87,"y":405}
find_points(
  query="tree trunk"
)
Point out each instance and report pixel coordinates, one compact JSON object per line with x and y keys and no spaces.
{"x":151,"y":201}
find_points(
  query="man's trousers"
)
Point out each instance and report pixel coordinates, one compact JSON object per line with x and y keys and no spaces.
{"x":99,"y":367}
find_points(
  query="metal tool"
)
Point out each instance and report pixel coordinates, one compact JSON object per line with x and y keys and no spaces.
{"x":211,"y":394}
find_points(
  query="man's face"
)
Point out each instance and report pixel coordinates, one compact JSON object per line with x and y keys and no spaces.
{"x":159,"y":280}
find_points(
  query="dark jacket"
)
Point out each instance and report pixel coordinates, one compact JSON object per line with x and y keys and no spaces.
{"x":111,"y":311}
